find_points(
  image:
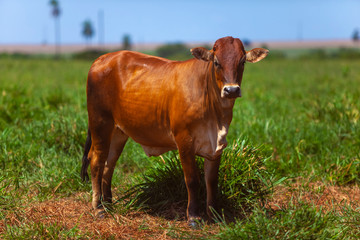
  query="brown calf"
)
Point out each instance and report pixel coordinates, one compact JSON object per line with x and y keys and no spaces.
{"x":164,"y":105}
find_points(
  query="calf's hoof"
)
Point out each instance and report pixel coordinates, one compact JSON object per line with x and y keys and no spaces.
{"x":194,"y":222}
{"x":100,"y":213}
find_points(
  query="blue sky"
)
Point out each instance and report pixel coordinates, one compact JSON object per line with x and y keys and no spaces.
{"x":30,"y":21}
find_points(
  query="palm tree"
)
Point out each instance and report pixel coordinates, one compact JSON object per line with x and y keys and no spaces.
{"x":126,"y":42}
{"x":88,"y":31}
{"x":355,"y":35}
{"x":56,"y":13}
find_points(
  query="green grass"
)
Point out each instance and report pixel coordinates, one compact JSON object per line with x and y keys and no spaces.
{"x":303,"y":113}
{"x":300,"y":221}
{"x":42,"y":122}
{"x":44,"y":231}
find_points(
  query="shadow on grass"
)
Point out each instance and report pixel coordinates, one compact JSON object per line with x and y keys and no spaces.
{"x":243,"y":183}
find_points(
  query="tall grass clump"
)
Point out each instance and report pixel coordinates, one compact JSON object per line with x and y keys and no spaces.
{"x":160,"y":185}
{"x":243,"y":178}
{"x":243,"y":182}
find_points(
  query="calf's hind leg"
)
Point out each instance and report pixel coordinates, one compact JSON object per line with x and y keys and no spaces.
{"x":117,"y":144}
{"x":101,"y":134}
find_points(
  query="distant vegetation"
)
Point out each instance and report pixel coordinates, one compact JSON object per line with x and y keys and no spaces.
{"x":180,"y":51}
{"x":90,"y":54}
{"x":175,"y":51}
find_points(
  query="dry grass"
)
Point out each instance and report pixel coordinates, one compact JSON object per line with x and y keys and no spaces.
{"x":76,"y":212}
{"x":328,"y":198}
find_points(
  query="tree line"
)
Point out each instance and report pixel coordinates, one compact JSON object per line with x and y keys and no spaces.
{"x":87,"y":31}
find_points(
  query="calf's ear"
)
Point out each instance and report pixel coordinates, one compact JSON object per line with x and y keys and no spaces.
{"x":202,"y":54}
{"x":256,"y":54}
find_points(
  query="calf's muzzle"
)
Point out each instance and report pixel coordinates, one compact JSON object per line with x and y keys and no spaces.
{"x":232,"y":91}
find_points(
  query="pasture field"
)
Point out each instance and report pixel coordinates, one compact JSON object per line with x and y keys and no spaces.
{"x":302,"y":117}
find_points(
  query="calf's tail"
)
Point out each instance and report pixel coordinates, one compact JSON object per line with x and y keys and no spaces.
{"x":85,"y":159}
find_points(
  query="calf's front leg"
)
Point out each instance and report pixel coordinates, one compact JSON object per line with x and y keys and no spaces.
{"x":191,"y":174}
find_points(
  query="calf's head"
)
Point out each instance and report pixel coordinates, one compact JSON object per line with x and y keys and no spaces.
{"x":228,"y":58}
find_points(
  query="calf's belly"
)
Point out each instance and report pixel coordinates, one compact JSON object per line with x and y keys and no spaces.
{"x":155,"y":141}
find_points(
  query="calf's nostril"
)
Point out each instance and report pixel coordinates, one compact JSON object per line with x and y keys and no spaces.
{"x":227,"y":89}
{"x":232,"y":91}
